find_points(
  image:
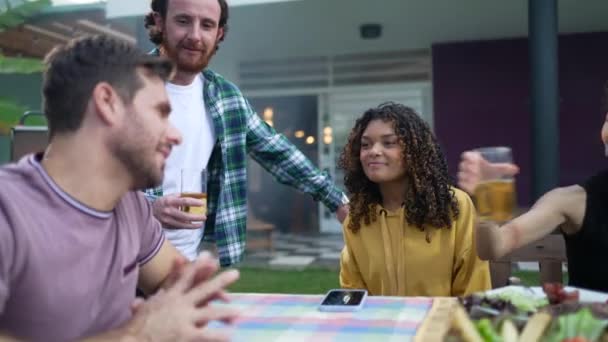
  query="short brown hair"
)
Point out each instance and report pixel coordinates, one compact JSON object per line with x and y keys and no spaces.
{"x":73,"y":70}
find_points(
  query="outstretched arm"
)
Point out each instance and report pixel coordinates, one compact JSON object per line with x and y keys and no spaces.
{"x":289,"y":165}
{"x":558,"y":206}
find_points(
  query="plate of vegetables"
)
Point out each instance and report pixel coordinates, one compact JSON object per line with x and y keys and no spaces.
{"x":551,"y":313}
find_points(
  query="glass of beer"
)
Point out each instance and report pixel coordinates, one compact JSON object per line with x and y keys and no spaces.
{"x":495,"y":195}
{"x":193,"y":183}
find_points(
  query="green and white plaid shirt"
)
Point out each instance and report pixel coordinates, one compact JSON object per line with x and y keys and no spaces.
{"x":240,"y":131}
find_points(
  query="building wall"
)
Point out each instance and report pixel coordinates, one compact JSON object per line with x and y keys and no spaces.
{"x":328,"y":28}
{"x":482,"y":98}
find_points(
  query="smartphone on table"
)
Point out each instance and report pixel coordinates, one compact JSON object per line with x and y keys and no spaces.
{"x":339,"y":300}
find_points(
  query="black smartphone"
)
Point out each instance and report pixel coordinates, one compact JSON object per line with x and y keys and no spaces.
{"x":343,"y":300}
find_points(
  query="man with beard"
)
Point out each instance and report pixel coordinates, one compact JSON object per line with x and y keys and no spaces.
{"x":220,"y":128}
{"x":578,"y":211}
{"x":75,"y":235}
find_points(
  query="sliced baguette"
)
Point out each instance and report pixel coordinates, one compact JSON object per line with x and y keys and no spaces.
{"x":464,"y":326}
{"x":536,"y":326}
{"x":508,"y":331}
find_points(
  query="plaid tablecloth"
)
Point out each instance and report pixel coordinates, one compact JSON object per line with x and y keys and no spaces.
{"x":276,"y":317}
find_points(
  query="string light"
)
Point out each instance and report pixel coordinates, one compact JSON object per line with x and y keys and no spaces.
{"x":268,"y":116}
{"x":328,"y":135}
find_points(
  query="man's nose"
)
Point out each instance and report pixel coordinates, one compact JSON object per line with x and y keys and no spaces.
{"x":195,"y":32}
{"x":174,"y":135}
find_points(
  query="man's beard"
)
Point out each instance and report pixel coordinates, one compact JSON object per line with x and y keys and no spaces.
{"x":187,"y":64}
{"x":142,"y":170}
{"x":135,"y":154}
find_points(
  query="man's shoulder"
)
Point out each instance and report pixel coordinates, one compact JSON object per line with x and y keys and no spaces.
{"x":14,"y":176}
{"x":19,"y":192}
{"x":223,"y":85}
{"x":135,"y":201}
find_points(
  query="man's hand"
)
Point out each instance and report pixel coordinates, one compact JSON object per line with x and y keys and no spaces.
{"x":167,"y":211}
{"x":473,"y":169}
{"x":203,"y":273}
{"x":342,"y":212}
{"x":182,"y":310}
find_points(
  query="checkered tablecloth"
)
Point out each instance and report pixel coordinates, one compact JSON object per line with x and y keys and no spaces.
{"x":276,"y":317}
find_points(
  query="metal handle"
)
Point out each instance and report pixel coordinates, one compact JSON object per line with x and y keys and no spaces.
{"x":29,"y":113}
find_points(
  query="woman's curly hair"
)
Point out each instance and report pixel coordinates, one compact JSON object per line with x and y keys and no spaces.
{"x":429,"y":199}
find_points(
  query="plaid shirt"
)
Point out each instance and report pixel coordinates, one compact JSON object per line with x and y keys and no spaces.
{"x":240,"y":131}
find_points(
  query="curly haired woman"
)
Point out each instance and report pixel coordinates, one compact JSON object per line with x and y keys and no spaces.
{"x":409,"y":233}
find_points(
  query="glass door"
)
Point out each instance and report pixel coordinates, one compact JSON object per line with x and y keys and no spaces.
{"x":289,"y":210}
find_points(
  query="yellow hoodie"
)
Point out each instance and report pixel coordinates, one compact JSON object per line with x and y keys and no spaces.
{"x":389,"y":257}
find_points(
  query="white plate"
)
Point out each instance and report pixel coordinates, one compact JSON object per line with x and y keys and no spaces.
{"x":537,"y":292}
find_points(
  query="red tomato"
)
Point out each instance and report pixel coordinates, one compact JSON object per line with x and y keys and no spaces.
{"x":576,"y":339}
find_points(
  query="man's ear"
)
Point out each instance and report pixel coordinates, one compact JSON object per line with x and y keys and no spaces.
{"x":107,"y":103}
{"x":220,"y":35}
{"x":158,"y":21}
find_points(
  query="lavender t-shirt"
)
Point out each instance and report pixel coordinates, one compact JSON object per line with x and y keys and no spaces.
{"x":67,"y":271}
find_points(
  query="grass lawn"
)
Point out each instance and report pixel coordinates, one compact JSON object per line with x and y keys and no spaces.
{"x":312,"y":281}
{"x":309,"y":281}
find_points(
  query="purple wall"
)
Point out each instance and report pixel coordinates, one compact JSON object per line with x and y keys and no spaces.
{"x":481,"y":98}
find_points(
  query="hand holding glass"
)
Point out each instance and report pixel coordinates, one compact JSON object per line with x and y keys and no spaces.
{"x":495,"y":194}
{"x":193,"y":184}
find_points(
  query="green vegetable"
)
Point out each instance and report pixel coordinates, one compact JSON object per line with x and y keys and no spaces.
{"x":522,"y":301}
{"x":580,"y":324}
{"x":487,"y":331}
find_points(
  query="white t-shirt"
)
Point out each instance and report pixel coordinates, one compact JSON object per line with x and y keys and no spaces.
{"x":190,"y":117}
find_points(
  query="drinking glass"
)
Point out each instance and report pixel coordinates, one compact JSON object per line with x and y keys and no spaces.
{"x":193,"y":183}
{"x":495,"y":196}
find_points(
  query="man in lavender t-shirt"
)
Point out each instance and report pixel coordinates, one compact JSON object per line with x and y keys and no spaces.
{"x":76,"y":238}
{"x":60,"y":274}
